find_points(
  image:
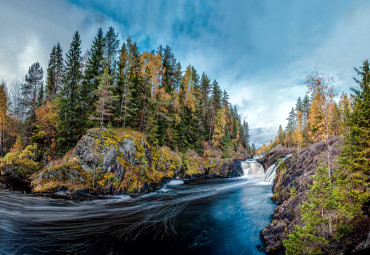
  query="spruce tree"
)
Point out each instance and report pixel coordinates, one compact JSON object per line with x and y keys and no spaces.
{"x":111,"y":47}
{"x":71,"y":121}
{"x":215,"y":105}
{"x":30,"y":95}
{"x":299,"y":105}
{"x":94,"y":68}
{"x":31,"y":89}
{"x":169,"y":64}
{"x":55,"y":73}
{"x":313,"y":237}
{"x":246,"y":134}
{"x":352,"y":177}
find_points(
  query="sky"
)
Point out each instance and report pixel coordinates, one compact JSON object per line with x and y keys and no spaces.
{"x":259,"y":51}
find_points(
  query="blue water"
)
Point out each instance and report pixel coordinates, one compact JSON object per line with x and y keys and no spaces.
{"x":203,"y":216}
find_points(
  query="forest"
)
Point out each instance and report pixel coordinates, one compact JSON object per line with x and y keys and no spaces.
{"x":114,"y":86}
{"x":338,"y":194}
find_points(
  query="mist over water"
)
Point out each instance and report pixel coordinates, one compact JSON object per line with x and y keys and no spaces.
{"x":203,"y":216}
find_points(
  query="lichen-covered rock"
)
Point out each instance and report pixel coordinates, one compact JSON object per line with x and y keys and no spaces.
{"x":113,"y":162}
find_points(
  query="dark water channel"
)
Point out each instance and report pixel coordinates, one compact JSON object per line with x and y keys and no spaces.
{"x":203,"y":216}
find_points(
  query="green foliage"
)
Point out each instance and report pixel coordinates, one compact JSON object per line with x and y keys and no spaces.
{"x":312,"y":238}
{"x":70,"y":124}
{"x":351,"y":186}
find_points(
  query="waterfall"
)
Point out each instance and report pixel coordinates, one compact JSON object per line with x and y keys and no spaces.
{"x":271,"y":171}
{"x":252,"y":168}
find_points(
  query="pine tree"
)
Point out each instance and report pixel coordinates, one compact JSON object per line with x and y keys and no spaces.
{"x":70,"y":120}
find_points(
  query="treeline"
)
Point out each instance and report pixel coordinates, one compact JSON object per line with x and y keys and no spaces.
{"x":316,"y":117}
{"x":115,"y":85}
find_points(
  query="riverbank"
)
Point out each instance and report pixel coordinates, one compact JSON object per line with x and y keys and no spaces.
{"x":292,"y":181}
{"x":111,"y":162}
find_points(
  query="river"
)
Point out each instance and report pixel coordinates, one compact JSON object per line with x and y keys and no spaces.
{"x":202,"y":216}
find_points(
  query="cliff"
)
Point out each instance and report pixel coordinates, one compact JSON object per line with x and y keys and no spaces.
{"x":113,"y":162}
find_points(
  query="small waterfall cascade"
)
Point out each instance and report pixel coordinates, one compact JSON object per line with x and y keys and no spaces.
{"x":252,"y":168}
{"x":271,"y":171}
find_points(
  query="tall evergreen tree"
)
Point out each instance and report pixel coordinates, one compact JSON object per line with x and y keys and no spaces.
{"x":94,"y":69}
{"x":71,"y":121}
{"x":169,"y":65}
{"x":95,"y":61}
{"x":111,"y":47}
{"x":31,"y":89}
{"x":352,"y":177}
{"x":246,"y":134}
{"x":55,"y":73}
{"x":299,"y":105}
{"x":215,"y":104}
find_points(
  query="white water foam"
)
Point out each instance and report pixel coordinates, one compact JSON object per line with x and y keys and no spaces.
{"x":271,"y":171}
{"x":252,"y":168}
{"x":175,"y":182}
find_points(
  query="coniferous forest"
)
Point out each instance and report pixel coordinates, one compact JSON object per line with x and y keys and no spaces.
{"x":114,"y":86}
{"x":338,"y":194}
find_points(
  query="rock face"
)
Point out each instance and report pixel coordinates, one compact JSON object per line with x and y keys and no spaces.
{"x":105,"y":162}
{"x":278,"y":152}
{"x":290,"y":186}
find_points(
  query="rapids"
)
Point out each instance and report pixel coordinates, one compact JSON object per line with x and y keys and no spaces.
{"x":202,"y":216}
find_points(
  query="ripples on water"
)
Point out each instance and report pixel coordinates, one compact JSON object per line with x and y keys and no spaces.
{"x":209,"y":215}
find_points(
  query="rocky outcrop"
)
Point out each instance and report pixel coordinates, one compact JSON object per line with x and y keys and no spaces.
{"x":108,"y":162}
{"x":278,"y":152}
{"x":290,"y":186}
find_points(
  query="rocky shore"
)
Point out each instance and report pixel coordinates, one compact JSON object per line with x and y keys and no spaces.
{"x":289,"y":192}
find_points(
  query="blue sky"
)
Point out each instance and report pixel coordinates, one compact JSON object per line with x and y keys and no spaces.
{"x":259,"y":51}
